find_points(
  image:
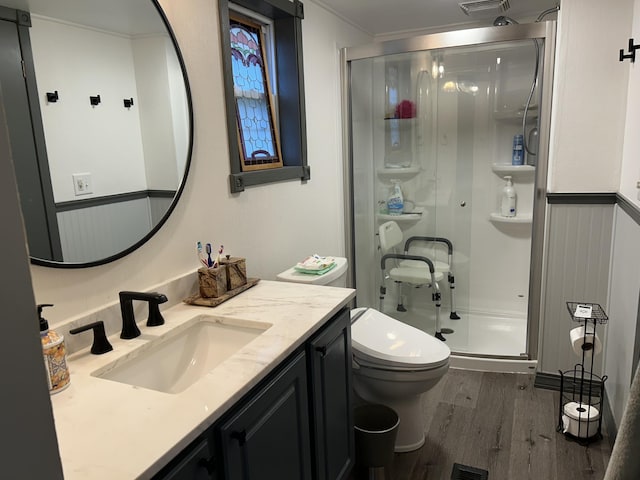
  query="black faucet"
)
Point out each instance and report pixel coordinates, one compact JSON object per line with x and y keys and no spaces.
{"x":129,"y":327}
{"x":100,"y":342}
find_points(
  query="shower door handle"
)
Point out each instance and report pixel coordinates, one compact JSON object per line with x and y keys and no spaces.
{"x":463,"y":203}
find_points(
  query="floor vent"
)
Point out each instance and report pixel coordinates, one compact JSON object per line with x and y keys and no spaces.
{"x":464,"y":472}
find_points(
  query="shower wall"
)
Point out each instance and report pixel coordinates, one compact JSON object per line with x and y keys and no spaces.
{"x":451,"y":156}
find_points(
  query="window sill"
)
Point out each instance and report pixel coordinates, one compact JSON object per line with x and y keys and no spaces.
{"x":238,"y":181}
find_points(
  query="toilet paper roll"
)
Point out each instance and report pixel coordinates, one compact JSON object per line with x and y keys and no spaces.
{"x":588,"y":342}
{"x":580,"y":420}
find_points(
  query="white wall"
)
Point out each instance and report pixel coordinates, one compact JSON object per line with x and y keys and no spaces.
{"x":273,"y":225}
{"x":624,"y":284}
{"x":155,"y":104}
{"x":595,"y":148}
{"x":589,"y":98}
{"x":630,"y":174}
{"x":82,"y":63}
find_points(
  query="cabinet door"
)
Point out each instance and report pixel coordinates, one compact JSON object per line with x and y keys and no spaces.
{"x":194,"y":463}
{"x":269,"y":437}
{"x":330,"y":367}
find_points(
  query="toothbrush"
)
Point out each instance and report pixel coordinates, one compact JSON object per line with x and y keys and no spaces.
{"x":217,"y":262}
{"x":201,"y":254}
{"x":209,"y":261}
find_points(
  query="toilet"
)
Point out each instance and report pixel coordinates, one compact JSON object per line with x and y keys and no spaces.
{"x":333,"y":278}
{"x":393,"y":363}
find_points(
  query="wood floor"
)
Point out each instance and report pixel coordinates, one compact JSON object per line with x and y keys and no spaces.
{"x":501,"y":423}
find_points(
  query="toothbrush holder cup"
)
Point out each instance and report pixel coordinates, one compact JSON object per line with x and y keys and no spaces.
{"x":213,"y":281}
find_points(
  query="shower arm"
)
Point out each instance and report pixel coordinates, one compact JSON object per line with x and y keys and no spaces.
{"x":502,"y":20}
{"x":543,"y":14}
{"x":528,"y":104}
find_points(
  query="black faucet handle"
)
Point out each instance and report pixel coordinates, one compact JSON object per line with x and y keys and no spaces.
{"x":100,"y":343}
{"x":155,"y":318}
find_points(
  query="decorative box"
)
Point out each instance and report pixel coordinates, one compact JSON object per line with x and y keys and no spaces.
{"x":236,"y":272}
{"x":213,"y":281}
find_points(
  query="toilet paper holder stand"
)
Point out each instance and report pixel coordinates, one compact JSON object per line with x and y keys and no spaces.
{"x":580,"y":385}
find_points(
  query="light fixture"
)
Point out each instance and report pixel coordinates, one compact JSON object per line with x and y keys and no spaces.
{"x":474,"y":8}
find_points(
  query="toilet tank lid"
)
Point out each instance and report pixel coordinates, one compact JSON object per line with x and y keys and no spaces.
{"x":376,"y":335}
{"x":292,"y":275}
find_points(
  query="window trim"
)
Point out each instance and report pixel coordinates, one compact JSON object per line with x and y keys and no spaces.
{"x":287,"y":30}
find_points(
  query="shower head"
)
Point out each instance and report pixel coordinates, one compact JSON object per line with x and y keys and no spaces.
{"x":503,"y":20}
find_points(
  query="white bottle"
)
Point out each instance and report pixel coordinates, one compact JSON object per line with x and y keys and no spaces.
{"x":508,"y":199}
{"x":395,"y":203}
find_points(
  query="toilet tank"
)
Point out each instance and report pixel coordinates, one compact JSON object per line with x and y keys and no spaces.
{"x":336,"y":277}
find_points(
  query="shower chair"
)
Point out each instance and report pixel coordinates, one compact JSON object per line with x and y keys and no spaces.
{"x":415,"y":270}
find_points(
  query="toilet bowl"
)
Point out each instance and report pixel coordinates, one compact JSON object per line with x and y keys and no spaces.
{"x":394,"y":364}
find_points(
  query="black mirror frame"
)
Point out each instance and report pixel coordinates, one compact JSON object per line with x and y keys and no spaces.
{"x":158,"y":226}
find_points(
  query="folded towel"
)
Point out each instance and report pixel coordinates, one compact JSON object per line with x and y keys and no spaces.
{"x":316,"y":263}
{"x":315,"y":272}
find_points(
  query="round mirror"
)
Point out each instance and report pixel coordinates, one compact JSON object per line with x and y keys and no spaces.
{"x":100,"y":126}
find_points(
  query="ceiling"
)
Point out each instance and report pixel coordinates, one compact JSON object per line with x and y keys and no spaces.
{"x":381,"y":17}
{"x":129,"y":17}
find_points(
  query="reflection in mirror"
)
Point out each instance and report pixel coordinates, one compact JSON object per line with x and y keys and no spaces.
{"x":110,"y":114}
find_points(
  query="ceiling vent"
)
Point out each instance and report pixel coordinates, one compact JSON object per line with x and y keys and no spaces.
{"x":475,"y":8}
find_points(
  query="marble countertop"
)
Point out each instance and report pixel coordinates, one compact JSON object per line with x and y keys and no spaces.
{"x":109,"y":430}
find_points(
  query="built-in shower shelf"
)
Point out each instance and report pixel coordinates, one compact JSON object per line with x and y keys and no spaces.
{"x":400,"y":173}
{"x":515,"y":116}
{"x":520,"y":218}
{"x":508,"y":169}
{"x":405,"y":217}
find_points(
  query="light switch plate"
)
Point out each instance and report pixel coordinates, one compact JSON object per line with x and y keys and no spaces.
{"x":82,"y":184}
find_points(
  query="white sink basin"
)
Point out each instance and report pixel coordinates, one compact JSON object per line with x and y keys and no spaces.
{"x":175,"y":361}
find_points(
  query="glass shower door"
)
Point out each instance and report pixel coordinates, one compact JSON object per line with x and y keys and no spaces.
{"x":441,"y":123}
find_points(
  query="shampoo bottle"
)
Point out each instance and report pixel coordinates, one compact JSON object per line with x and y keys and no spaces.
{"x":517,"y":155}
{"x":508,"y":199}
{"x":55,"y":355}
{"x":395,"y":203}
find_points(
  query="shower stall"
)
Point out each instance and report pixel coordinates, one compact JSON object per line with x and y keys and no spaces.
{"x":437,"y":115}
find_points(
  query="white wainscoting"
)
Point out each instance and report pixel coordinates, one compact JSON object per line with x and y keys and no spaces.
{"x":623,"y":312}
{"x":98,"y":232}
{"x":577,"y":269}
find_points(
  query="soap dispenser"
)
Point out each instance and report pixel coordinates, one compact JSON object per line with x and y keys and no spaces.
{"x":55,"y":354}
{"x":395,"y":203}
{"x":508,"y":208}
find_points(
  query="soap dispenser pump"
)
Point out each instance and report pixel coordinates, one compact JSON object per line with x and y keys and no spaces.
{"x":55,"y":354}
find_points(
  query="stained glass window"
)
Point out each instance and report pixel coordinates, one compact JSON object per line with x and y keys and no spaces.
{"x":257,"y":134}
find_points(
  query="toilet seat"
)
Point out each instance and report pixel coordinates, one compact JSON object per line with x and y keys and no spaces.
{"x":382,"y":342}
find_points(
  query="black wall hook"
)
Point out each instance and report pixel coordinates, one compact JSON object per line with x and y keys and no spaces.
{"x":128,"y":102}
{"x":52,"y":97}
{"x":632,"y":52}
{"x":95,"y":100}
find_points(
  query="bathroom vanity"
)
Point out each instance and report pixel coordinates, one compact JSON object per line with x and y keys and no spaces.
{"x":278,"y":407}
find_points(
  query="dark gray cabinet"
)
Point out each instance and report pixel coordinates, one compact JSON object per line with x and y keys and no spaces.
{"x":330,"y":390}
{"x":269,"y":437}
{"x":196,"y":462}
{"x":295,"y":425}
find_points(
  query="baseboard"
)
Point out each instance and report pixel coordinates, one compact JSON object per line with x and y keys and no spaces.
{"x":548,"y":381}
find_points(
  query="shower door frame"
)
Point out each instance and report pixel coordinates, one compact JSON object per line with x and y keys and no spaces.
{"x":460,"y":38}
